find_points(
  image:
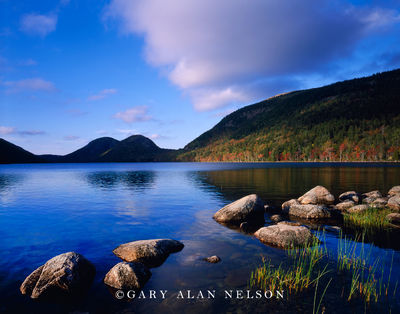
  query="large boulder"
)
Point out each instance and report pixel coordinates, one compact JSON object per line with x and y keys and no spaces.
{"x":394,"y":191}
{"x":379,"y":203}
{"x":345,"y":205}
{"x":394,"y":203}
{"x":357,"y":209}
{"x":127,"y":276}
{"x":248,"y":208}
{"x":284,"y":235}
{"x":67,"y":275}
{"x":289,"y":203}
{"x":349,"y":196}
{"x":310,"y":211}
{"x":318,"y":195}
{"x":394,"y":218}
{"x":151,"y":253}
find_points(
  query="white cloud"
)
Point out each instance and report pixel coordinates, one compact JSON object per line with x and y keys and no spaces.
{"x":71,"y":138}
{"x":102,"y":94}
{"x":27,"y":62}
{"x":135,"y":114}
{"x":4,"y":130}
{"x":214,"y":45}
{"x":31,"y":84}
{"x":38,"y":24}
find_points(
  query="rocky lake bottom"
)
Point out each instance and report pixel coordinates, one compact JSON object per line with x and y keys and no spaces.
{"x":91,"y":209}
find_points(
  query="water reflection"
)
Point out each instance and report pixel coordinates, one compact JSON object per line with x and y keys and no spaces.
{"x":136,"y":180}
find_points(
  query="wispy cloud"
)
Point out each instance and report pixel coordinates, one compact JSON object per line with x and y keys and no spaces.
{"x":30,"y":84}
{"x":27,"y":62}
{"x":135,"y":114}
{"x":71,"y":138}
{"x":76,"y":112}
{"x":38,"y":24}
{"x":127,"y":131}
{"x":102,"y":94}
{"x":6,"y":130}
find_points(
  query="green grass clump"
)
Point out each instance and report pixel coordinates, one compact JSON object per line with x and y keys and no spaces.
{"x":299,"y":275}
{"x":372,"y":218}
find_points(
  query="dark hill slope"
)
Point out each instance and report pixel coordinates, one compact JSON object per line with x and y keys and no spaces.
{"x":10,"y":153}
{"x":352,"y":120}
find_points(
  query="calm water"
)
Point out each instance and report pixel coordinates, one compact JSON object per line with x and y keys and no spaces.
{"x":46,"y":210}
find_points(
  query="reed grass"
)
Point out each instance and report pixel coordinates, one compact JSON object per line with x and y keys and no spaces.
{"x":364,"y":273}
{"x":371,"y":218}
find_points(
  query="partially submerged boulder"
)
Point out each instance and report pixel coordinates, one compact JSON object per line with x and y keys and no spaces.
{"x":127,"y":276}
{"x":317,"y":195}
{"x":379,"y":203}
{"x":213,"y":259}
{"x":394,"y":191}
{"x":289,"y":203}
{"x":276,"y":218}
{"x":345,"y":205}
{"x":68,"y":275}
{"x":357,"y":209}
{"x":394,"y":203}
{"x":349,"y":196}
{"x":373,"y":195}
{"x":248,"y":208}
{"x":310,"y":211}
{"x":284,"y":236}
{"x":394,"y":218}
{"x":151,"y":253}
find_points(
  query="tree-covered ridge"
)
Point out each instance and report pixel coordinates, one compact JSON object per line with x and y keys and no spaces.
{"x":356,"y":120}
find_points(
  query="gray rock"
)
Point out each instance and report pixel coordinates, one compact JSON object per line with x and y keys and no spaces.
{"x":394,"y":218}
{"x":379,"y":203}
{"x":309,"y":211}
{"x":357,"y":209}
{"x":394,"y":203}
{"x":368,"y":200}
{"x":318,"y":195}
{"x":151,"y":253}
{"x":349,"y":196}
{"x":276,"y":218}
{"x":372,"y":195}
{"x":289,"y":223}
{"x":345,"y":205}
{"x":213,"y":259}
{"x":289,"y":203}
{"x":284,"y":236}
{"x":67,"y":275}
{"x":248,"y":208}
{"x":127,"y":276}
{"x":394,"y":191}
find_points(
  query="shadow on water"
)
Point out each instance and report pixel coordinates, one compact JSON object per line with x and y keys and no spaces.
{"x":132,"y":179}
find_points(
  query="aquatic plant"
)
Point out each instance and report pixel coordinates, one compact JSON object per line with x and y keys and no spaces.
{"x":369,"y":219}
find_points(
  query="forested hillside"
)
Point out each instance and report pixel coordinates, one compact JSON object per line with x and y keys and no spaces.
{"x":355,"y":120}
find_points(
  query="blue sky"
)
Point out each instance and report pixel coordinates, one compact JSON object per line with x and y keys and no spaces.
{"x":72,"y":71}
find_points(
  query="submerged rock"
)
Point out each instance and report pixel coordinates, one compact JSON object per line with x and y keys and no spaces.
{"x":349,"y":196}
{"x":394,"y":218}
{"x":394,"y":191}
{"x":284,"y":236}
{"x":213,"y":259}
{"x":151,"y":253}
{"x":127,"y":276}
{"x":276,"y":218}
{"x":345,"y":205}
{"x":310,"y":211}
{"x":248,"y":208}
{"x":317,"y":195}
{"x":357,"y":209}
{"x":68,"y":275}
{"x":394,"y":203}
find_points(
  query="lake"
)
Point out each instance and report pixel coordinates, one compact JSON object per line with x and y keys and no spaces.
{"x":49,"y":209}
